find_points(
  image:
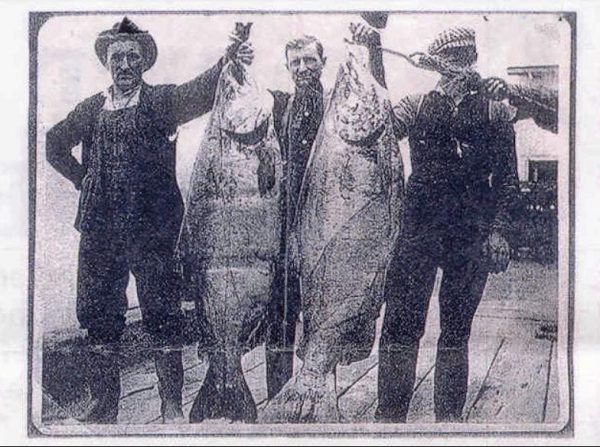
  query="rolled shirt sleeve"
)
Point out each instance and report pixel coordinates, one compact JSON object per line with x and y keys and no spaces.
{"x":539,"y":103}
{"x":405,"y":114}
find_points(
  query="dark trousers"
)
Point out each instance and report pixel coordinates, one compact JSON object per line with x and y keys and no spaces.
{"x":282,"y":317}
{"x":105,"y":260}
{"x":408,"y":288}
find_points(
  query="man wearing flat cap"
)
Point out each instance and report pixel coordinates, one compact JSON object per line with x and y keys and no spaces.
{"x":459,"y":203}
{"x":130,"y":207}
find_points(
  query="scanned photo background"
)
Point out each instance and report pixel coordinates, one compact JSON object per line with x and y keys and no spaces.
{"x":68,"y":71}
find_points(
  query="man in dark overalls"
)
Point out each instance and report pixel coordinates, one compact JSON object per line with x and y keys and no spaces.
{"x":130,"y":209}
{"x":457,"y":216}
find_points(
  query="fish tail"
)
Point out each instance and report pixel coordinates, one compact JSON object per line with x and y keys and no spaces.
{"x":224,"y":393}
{"x":306,"y":398}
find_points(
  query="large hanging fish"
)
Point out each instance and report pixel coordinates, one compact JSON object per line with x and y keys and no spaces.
{"x":348,"y":219}
{"x":230,"y":239}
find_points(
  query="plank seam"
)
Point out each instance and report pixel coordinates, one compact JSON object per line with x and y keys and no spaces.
{"x":487,"y":374}
{"x":358,"y":379}
{"x":253,"y":367}
{"x":422,"y":379}
{"x":366,"y":408}
{"x":140,"y":390}
{"x":518,"y":318}
{"x":548,"y":374}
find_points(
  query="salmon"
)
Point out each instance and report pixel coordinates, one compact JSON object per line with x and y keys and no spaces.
{"x":347,"y":221}
{"x":229,"y":241}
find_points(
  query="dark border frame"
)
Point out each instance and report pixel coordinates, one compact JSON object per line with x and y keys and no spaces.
{"x":37,"y":20}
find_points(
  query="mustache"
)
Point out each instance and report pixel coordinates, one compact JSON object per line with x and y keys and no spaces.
{"x":127,"y":73}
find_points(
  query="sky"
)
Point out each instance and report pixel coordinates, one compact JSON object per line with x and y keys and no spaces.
{"x":68,"y":72}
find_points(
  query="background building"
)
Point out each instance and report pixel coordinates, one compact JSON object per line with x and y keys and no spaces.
{"x":538,"y":152}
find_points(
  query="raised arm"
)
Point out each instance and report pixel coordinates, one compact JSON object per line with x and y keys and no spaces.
{"x":370,"y":38}
{"x":196,"y":97}
{"x":405,"y":115}
{"x":538,"y":103}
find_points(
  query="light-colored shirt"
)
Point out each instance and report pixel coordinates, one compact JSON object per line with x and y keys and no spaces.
{"x":118,"y":102}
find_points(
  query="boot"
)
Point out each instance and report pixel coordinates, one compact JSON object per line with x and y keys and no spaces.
{"x":396,"y":381}
{"x":451,"y":382}
{"x":169,"y":369}
{"x":280,"y":365}
{"x":101,"y":365}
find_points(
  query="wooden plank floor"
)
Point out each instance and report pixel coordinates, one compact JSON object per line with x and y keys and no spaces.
{"x":513,"y":375}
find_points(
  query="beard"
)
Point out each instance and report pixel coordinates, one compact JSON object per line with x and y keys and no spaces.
{"x":308,"y":80}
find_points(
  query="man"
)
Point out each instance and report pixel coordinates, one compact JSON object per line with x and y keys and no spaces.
{"x":457,"y":216}
{"x":296,"y":118}
{"x":130,"y":208}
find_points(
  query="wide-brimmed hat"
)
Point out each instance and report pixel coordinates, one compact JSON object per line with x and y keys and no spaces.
{"x":458,"y":37}
{"x":127,"y":30}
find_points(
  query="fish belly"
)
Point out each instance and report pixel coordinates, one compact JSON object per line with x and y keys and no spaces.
{"x":348,"y":220}
{"x":348,"y":224}
{"x":230,"y":235}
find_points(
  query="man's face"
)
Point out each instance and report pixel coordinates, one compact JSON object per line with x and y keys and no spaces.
{"x":305,"y":64}
{"x":125,"y":63}
{"x":462,"y":57}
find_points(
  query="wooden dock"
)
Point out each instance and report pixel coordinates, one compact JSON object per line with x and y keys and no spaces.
{"x":513,"y":375}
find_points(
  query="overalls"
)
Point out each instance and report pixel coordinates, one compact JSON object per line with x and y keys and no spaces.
{"x":450,"y":204}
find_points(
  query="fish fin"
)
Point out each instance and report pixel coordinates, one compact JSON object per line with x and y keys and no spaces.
{"x":208,"y":403}
{"x":252,"y":137}
{"x":224,"y":393}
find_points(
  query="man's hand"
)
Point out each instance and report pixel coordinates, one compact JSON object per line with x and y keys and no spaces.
{"x":496,"y":88}
{"x":364,"y":35}
{"x":244,"y":54}
{"x":497,"y":252}
{"x":240,"y":50}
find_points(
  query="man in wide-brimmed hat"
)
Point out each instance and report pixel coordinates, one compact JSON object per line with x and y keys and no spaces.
{"x":459,"y":203}
{"x":130,"y":208}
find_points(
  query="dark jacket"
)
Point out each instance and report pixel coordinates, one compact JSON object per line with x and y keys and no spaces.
{"x":464,"y":173}
{"x":296,"y":133}
{"x":160,"y":110}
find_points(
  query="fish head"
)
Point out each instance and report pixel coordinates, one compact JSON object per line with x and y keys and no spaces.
{"x":359,"y":102}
